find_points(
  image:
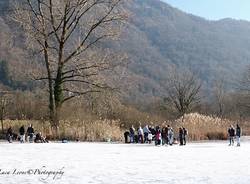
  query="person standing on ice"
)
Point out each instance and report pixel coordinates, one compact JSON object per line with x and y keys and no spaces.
{"x":145,"y":132}
{"x":140,"y":134}
{"x":181,"y":135}
{"x":126,"y":135}
{"x":9,"y":134}
{"x":238,"y":134}
{"x":30,"y":133}
{"x":167,"y":130}
{"x":150,"y":137}
{"x":170,"y":136}
{"x":164,"y":135}
{"x":185,"y":133}
{"x":158,"y":138}
{"x":22,"y":134}
{"x":153,"y":131}
{"x":231,"y":134}
{"x":132,"y":134}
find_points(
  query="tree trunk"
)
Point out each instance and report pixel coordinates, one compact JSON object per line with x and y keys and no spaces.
{"x":52,"y":110}
{"x":58,"y":97}
{"x":58,"y":91}
{"x":55,"y":123}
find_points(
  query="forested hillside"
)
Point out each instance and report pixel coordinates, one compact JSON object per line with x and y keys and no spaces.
{"x":156,"y":38}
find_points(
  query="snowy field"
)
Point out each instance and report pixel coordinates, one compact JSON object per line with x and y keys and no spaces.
{"x":104,"y":163}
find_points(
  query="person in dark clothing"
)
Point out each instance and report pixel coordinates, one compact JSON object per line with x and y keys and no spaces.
{"x":158,"y":138}
{"x":30,"y":133}
{"x":126,"y":136}
{"x":164,"y":134}
{"x":185,"y":133}
{"x":132,"y":134}
{"x":22,"y":134}
{"x":231,"y":135}
{"x":136,"y":138}
{"x":181,"y":135}
{"x":153,"y":132}
{"x":64,"y":140}
{"x":38,"y":138}
{"x":9,"y":134}
{"x":167,"y":130}
{"x":238,"y":134}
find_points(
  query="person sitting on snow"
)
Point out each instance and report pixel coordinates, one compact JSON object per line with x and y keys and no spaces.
{"x":38,"y":138}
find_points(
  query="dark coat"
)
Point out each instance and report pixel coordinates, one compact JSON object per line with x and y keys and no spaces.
{"x":181,"y":133}
{"x":231,"y":132}
{"x":132,"y":131}
{"x":10,"y":132}
{"x":238,"y":131}
{"x":22,"y":130}
{"x":30,"y":130}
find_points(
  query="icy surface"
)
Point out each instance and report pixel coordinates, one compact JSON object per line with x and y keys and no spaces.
{"x":213,"y":162}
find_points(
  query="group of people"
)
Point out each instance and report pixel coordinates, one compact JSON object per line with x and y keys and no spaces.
{"x":29,"y":135}
{"x":160,"y":135}
{"x":232,"y":133}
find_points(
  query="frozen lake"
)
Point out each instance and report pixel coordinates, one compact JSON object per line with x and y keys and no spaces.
{"x":103,"y":163}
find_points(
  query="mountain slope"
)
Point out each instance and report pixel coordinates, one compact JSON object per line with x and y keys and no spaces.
{"x":158,"y":37}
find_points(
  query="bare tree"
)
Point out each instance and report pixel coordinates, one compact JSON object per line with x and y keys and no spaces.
{"x":69,"y":35}
{"x":182,"y":91}
{"x":3,"y":104}
{"x":220,"y":95}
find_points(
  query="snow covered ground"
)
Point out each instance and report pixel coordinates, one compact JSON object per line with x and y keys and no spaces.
{"x":104,"y":163}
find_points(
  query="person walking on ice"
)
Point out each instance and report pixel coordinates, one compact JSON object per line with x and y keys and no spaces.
{"x":238,"y":134}
{"x":231,"y":134}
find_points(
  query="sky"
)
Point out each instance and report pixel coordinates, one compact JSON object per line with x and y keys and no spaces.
{"x":214,"y":9}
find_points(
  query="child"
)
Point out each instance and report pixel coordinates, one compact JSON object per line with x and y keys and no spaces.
{"x":150,"y":137}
